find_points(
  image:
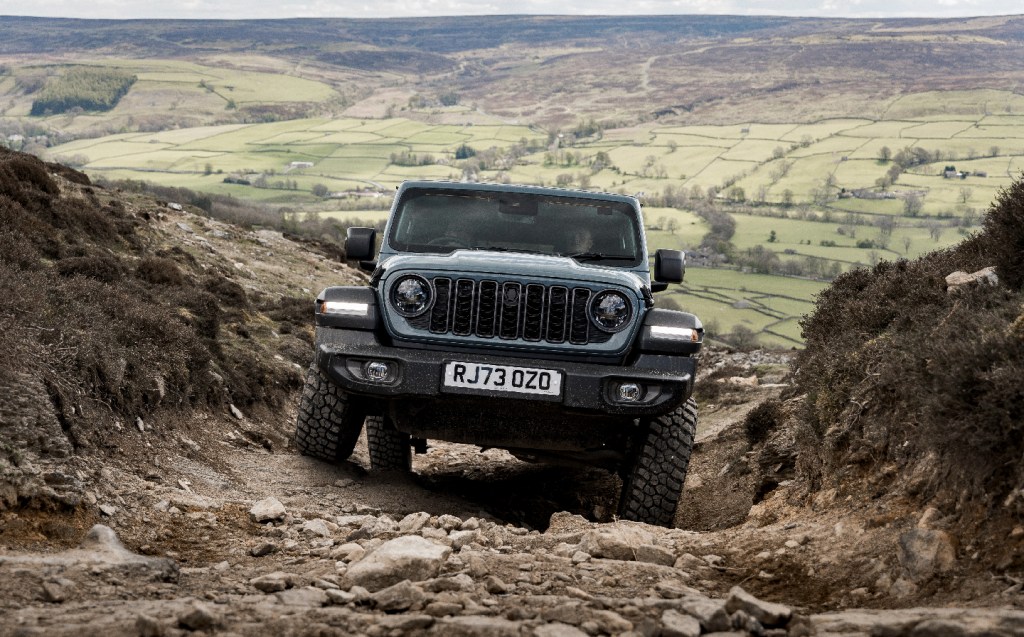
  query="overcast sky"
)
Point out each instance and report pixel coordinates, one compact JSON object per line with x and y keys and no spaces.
{"x":398,"y":8}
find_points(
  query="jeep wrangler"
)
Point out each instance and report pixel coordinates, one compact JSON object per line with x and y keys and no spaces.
{"x":515,"y":317}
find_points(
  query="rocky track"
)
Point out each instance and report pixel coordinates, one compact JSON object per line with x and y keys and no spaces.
{"x":252,"y":541}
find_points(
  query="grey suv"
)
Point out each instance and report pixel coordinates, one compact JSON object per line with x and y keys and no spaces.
{"x":515,"y":317}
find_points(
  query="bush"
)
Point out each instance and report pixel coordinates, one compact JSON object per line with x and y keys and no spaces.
{"x":762,"y":420}
{"x":907,"y":381}
{"x":159,"y":271}
{"x":1004,"y":235}
{"x":228,"y":292}
{"x":24,"y":180}
{"x":102,"y":268}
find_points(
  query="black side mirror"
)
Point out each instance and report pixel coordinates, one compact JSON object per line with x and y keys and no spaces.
{"x":360,"y":244}
{"x":669,"y":267}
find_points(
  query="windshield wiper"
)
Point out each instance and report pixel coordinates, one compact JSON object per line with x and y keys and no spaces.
{"x":500,"y":249}
{"x":600,"y":256}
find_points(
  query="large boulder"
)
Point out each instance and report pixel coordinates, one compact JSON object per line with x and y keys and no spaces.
{"x":409,"y":557}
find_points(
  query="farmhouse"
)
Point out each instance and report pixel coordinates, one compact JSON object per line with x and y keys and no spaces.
{"x":373,"y":194}
{"x":301,"y":164}
{"x":950,"y":172}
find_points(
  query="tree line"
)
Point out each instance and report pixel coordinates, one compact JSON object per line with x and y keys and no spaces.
{"x":89,"y":89}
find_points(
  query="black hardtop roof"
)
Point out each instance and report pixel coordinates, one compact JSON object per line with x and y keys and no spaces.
{"x":519,"y":189}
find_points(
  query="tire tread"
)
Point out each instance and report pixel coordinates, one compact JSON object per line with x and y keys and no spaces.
{"x":653,"y":485}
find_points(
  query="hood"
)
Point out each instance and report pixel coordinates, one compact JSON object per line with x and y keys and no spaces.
{"x":513,"y":264}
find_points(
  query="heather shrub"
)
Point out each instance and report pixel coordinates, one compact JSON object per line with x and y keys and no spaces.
{"x":1004,"y":235}
{"x":228,"y":292}
{"x":90,"y":312}
{"x":916,"y":388}
{"x":159,"y":271}
{"x":762,"y":420}
{"x":102,"y":268}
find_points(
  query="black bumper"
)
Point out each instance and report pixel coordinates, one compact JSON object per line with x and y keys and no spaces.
{"x":586,"y":387}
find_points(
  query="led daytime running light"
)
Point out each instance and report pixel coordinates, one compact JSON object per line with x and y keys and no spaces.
{"x":675,"y":333}
{"x":344,"y":308}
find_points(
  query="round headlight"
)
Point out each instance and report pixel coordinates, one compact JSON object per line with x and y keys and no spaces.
{"x":610,"y":311}
{"x":410,"y":295}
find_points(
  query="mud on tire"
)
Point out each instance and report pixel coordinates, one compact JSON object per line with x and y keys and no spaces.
{"x":389,"y":448}
{"x":328,"y":423}
{"x":653,"y":483}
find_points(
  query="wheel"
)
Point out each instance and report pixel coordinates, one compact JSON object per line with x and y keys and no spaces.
{"x":389,"y":448}
{"x":329,"y":423}
{"x":653,"y":482}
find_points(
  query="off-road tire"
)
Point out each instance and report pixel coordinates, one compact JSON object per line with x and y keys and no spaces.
{"x":328,"y":423}
{"x":653,"y":482}
{"x":389,"y":448}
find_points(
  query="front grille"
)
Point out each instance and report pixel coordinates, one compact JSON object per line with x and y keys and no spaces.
{"x":510,"y":310}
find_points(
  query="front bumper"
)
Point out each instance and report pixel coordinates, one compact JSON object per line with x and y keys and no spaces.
{"x":342,"y":355}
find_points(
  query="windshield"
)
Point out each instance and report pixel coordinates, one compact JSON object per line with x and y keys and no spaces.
{"x":590,"y":230}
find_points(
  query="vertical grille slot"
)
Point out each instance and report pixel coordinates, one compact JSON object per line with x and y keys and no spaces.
{"x":533,"y":319}
{"x":580,"y":322}
{"x":462,"y":319}
{"x":558,"y":304}
{"x":511,"y":300}
{"x":486,"y":314}
{"x":439,"y":313}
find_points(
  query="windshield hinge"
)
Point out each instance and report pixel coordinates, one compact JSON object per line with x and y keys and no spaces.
{"x":375,"y":277}
{"x":648,"y":296}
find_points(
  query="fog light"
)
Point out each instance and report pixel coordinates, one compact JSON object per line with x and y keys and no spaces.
{"x":630,"y":392}
{"x":377,"y":371}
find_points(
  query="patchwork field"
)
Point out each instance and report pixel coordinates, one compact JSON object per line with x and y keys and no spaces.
{"x":811,"y":192}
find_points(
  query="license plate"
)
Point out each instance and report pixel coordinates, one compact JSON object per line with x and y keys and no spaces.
{"x":504,"y":378}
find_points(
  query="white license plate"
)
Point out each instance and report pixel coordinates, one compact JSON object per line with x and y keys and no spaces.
{"x":521,"y":380}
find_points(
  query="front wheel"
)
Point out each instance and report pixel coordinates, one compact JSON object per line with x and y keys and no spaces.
{"x":389,"y":448}
{"x":328,"y":423}
{"x":653,"y":482}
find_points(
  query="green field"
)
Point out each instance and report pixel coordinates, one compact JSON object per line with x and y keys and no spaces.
{"x":757,"y":166}
{"x":645,"y":158}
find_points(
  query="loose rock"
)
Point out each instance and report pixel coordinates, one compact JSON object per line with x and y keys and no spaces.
{"x":147,"y":626}
{"x":399,"y":597}
{"x":272,"y":582}
{"x":306,"y":596}
{"x":767,"y":613}
{"x":266,"y":548}
{"x":925,"y":552}
{"x":408,"y":557}
{"x":197,"y":617}
{"x":676,"y":624}
{"x":653,"y":554}
{"x":317,"y":527}
{"x":268,"y":510}
{"x":413,"y":522}
{"x":616,"y":542}
{"x":558,"y":630}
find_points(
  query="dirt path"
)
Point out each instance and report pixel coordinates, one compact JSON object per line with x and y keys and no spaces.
{"x":515,"y":552}
{"x":645,"y":74}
